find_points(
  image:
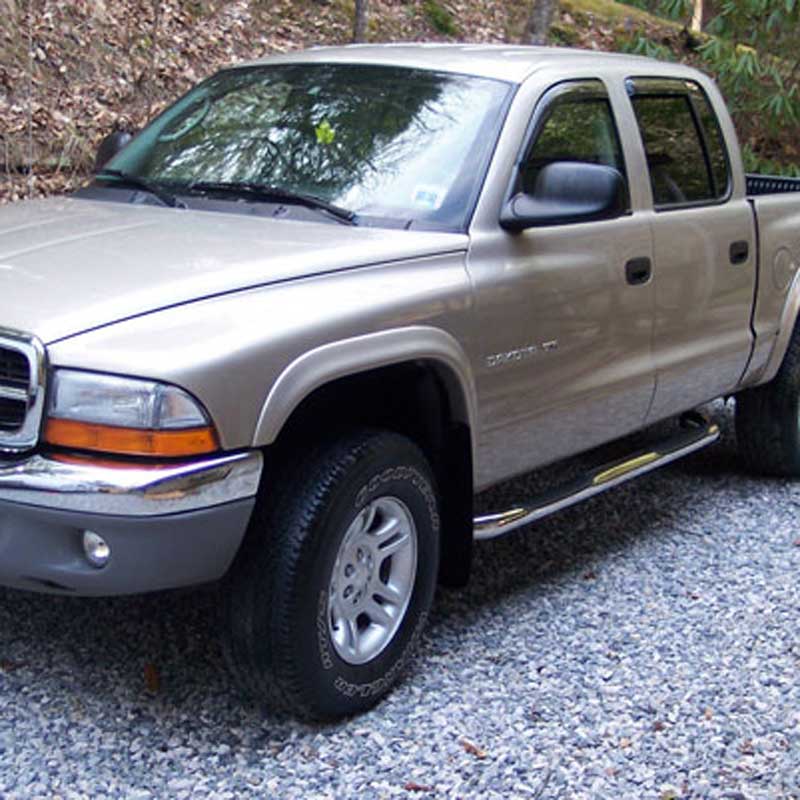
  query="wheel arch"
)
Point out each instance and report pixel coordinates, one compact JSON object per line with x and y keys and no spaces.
{"x":347,"y":357}
{"x":416,"y":381}
{"x":789,"y":319}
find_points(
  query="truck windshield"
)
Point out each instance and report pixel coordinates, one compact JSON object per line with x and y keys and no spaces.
{"x":383,"y":142}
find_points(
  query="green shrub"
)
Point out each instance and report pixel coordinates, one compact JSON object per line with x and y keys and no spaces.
{"x":642,"y":46}
{"x":440,"y":18}
{"x":563,"y":35}
{"x":753,"y":162}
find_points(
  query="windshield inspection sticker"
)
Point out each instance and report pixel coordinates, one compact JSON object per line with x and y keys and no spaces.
{"x":429,"y":197}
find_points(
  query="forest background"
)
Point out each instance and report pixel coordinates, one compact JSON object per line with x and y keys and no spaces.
{"x":72,"y":71}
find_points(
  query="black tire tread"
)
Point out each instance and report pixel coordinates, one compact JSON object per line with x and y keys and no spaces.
{"x":767,"y":432}
{"x":291,"y":504}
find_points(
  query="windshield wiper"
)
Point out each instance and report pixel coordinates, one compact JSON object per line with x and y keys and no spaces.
{"x":151,"y":187}
{"x":275,"y":194}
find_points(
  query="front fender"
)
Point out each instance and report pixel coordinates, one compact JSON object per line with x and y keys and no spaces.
{"x":232,"y":351}
{"x":340,"y":359}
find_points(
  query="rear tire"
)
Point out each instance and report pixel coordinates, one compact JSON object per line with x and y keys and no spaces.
{"x":330,"y":594}
{"x":768,"y":419}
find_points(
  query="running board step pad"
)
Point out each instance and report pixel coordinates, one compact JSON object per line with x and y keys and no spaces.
{"x":607,"y":477}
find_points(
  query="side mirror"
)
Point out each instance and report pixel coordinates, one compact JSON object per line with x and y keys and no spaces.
{"x":109,"y":147}
{"x":567,"y":192}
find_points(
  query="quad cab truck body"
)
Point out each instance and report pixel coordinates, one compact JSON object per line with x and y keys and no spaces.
{"x":202,"y":380}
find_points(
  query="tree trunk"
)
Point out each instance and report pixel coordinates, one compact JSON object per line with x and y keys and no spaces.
{"x":31,"y":176}
{"x":541,"y":18}
{"x":360,"y":21}
{"x":697,"y":16}
{"x":149,"y":82}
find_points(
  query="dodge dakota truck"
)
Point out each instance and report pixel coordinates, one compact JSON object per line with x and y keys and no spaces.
{"x":293,"y":327}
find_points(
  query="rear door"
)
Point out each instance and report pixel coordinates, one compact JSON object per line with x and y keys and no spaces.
{"x":704,"y":247}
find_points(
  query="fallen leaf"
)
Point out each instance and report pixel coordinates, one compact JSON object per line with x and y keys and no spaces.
{"x":412,"y":786}
{"x":473,"y":749}
{"x":658,"y":725}
{"x":624,"y":742}
{"x":152,"y":679}
{"x":708,"y":713}
{"x":589,"y":575}
{"x":7,"y":665}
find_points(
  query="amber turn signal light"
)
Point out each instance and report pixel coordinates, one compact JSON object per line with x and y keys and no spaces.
{"x":130,"y":441}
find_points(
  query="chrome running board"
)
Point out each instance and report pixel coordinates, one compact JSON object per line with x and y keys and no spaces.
{"x":699,"y":433}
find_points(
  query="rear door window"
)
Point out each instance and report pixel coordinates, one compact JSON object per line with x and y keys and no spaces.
{"x":683,"y":143}
{"x":714,"y":141}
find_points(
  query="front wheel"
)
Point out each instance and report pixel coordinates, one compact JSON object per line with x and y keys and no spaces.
{"x":332,"y":590}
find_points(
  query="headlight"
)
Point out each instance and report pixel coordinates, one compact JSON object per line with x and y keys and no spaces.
{"x":90,"y":411}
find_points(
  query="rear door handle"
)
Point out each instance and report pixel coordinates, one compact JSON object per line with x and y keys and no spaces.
{"x":638,"y":271}
{"x":739,"y":252}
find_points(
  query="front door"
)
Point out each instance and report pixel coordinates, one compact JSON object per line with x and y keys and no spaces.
{"x":563,"y":358}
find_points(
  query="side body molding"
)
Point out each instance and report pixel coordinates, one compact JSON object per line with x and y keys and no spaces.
{"x":347,"y":357}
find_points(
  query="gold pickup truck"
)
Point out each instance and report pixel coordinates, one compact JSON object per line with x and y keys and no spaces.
{"x":294,"y":325}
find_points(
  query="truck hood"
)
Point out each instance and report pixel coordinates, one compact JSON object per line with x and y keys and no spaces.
{"x":68,"y":265}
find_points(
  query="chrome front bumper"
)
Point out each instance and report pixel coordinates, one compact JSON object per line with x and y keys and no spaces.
{"x":130,"y":490}
{"x":165,"y":526}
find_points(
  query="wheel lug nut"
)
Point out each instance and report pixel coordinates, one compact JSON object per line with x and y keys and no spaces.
{"x":349,"y":570}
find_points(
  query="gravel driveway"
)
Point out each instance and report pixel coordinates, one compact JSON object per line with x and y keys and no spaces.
{"x":643,"y":645}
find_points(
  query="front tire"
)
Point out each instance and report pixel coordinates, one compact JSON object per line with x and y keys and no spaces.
{"x":333,"y":587}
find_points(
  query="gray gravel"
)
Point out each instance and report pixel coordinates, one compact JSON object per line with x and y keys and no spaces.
{"x":643,"y":645}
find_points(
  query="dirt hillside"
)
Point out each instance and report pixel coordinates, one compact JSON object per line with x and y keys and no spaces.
{"x":71,"y":72}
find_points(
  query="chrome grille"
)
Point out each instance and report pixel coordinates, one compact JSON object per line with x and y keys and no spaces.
{"x":14,"y":369}
{"x":22,"y":378}
{"x":12,"y":414}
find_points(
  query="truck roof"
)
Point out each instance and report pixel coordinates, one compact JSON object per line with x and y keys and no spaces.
{"x":512,"y":63}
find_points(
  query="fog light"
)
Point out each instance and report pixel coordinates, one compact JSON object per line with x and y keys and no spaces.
{"x":96,"y":549}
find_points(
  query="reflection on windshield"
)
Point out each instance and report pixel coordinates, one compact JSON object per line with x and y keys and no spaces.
{"x":382,"y":141}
